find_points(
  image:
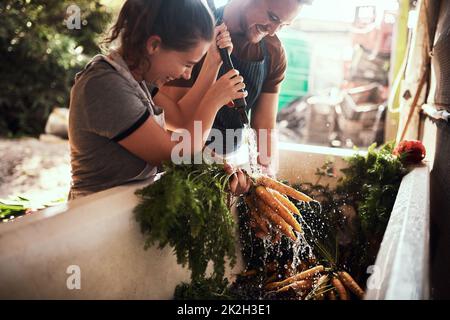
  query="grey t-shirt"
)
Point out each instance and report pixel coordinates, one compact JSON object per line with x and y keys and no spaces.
{"x":104,"y":109}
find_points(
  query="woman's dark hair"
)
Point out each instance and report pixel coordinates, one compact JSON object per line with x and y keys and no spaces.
{"x":179,"y":23}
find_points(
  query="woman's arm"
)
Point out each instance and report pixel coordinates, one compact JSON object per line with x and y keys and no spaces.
{"x":153,"y":144}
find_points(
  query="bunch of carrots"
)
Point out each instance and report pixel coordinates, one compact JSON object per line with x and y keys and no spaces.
{"x":319,"y":283}
{"x":272,"y":214}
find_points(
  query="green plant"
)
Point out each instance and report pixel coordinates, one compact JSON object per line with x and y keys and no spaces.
{"x":187,"y":210}
{"x":11,"y":209}
{"x":372,"y":183}
{"x":39,"y":57}
{"x":204,"y":289}
{"x":368,"y":187}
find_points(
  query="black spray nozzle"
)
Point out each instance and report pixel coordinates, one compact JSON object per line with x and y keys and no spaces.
{"x":240,"y":105}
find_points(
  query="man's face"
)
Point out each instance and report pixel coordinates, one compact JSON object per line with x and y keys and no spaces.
{"x":266,"y":17}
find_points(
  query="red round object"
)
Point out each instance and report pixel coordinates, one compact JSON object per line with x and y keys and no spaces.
{"x":410,"y":151}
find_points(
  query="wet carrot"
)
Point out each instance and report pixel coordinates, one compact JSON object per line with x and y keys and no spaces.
{"x":351,"y":284}
{"x":318,"y":292}
{"x":260,"y":234}
{"x":301,"y":276}
{"x":282,"y":188}
{"x":297,"y":286}
{"x":261,"y":223}
{"x":342,"y":292}
{"x":285,"y":201}
{"x":278,"y":207}
{"x":276,"y":220}
{"x":248,"y":273}
{"x":288,"y":217}
{"x":322,"y":281}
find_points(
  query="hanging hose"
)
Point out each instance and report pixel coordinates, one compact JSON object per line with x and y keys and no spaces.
{"x":398,"y":80}
{"x":413,"y":107}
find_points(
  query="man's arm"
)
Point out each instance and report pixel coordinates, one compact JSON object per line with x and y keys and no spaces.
{"x":263,"y":120}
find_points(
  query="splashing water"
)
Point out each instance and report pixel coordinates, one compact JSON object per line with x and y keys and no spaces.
{"x":289,"y":255}
{"x":300,"y":248}
{"x":250,"y":139}
{"x":318,"y":212}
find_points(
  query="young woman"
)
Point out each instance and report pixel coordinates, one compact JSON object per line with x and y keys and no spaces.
{"x":117,"y":132}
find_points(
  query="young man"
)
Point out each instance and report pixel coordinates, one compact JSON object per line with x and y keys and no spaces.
{"x":260,"y":58}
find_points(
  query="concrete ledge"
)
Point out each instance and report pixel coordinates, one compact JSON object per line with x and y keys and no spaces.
{"x":98,"y":234}
{"x":402,"y":265}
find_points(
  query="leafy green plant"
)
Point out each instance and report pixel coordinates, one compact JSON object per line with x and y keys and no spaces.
{"x":13,"y":208}
{"x":372,"y":183}
{"x":204,"y":289}
{"x":369,"y":186}
{"x":39,"y":57}
{"x":19,"y":206}
{"x":187,"y":210}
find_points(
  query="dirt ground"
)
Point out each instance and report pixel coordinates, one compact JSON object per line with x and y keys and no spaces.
{"x":37,"y":169}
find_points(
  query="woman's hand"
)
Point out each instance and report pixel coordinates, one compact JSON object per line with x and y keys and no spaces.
{"x":226,"y":89}
{"x":240,"y":182}
{"x":222,"y":39}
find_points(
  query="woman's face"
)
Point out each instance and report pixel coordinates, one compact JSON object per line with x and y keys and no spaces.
{"x":167,"y":65}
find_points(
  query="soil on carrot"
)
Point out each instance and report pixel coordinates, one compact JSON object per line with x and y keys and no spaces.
{"x":36,"y":169}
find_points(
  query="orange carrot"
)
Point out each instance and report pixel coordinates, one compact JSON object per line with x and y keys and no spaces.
{"x":260,"y":222}
{"x":278,"y":222}
{"x":260,"y":234}
{"x":301,"y":276}
{"x":285,"y":201}
{"x":322,"y":281}
{"x":282,"y":188}
{"x":318,"y":292}
{"x":278,"y":207}
{"x":342,"y":292}
{"x":263,"y":224}
{"x":351,"y":284}
{"x":288,"y":216}
{"x":297,"y":286}
{"x":248,"y":273}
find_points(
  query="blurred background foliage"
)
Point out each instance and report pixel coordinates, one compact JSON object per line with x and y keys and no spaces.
{"x":39,"y":56}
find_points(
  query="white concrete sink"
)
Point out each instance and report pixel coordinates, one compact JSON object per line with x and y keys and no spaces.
{"x":402,"y":265}
{"x":98,"y":235}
